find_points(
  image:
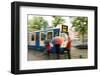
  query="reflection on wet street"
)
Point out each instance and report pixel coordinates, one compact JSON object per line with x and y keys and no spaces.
{"x":75,"y":54}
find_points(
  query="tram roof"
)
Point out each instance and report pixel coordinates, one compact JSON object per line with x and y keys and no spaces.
{"x":57,"y":27}
{"x":46,"y":30}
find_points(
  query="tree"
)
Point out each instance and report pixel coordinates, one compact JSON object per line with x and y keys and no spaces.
{"x":36,"y":23}
{"x":57,"y":20}
{"x":80,"y":25}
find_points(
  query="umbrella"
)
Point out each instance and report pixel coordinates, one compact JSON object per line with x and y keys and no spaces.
{"x":58,"y":40}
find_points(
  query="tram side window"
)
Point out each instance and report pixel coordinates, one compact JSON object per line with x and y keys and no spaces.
{"x":32,"y":37}
{"x":42,"y":36}
{"x":49,"y":35}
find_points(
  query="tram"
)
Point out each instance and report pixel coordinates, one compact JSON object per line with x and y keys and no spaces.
{"x":36,"y":39}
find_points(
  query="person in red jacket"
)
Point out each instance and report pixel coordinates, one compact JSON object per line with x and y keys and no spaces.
{"x":68,"y":46}
{"x":48,"y":48}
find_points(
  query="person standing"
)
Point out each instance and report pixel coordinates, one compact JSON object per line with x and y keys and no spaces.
{"x":68,"y":46}
{"x":57,"y":41}
{"x":48,"y":48}
{"x":57,"y":48}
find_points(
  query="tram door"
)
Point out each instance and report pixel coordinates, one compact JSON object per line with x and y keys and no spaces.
{"x":37,"y":39}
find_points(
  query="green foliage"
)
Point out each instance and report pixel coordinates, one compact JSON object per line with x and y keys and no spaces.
{"x":36,"y":23}
{"x":57,"y":20}
{"x":81,"y":25}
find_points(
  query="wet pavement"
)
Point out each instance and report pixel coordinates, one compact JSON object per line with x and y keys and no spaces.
{"x":75,"y":54}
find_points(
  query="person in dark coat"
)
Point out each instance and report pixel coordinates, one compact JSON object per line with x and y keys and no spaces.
{"x":57,"y":48}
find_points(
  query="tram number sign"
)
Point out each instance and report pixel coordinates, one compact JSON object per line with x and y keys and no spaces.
{"x":64,"y":28}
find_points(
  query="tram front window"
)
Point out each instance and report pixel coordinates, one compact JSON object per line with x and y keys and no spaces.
{"x":56,"y":34}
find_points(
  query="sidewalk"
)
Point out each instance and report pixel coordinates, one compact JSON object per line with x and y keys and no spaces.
{"x":75,"y":54}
